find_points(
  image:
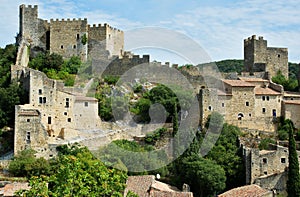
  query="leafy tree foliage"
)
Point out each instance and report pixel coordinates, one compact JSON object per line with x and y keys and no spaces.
{"x":230,"y":66}
{"x":228,"y":155}
{"x":264,"y":143}
{"x":78,"y":173}
{"x":153,"y":137}
{"x":204,"y":176}
{"x":26,"y":164}
{"x":293,"y":183}
{"x":288,"y":84}
{"x":7,"y":58}
{"x":130,"y":154}
{"x":55,"y":67}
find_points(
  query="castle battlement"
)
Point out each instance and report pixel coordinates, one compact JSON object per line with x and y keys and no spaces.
{"x":101,"y":26}
{"x":253,"y":38}
{"x":68,"y":20}
{"x":29,"y":6}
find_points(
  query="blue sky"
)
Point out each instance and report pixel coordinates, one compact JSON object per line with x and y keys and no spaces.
{"x":219,"y":27}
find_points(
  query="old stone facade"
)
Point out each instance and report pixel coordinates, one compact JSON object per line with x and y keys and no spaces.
{"x":68,"y":37}
{"x":258,"y":57}
{"x":267,"y":168}
{"x":257,"y":103}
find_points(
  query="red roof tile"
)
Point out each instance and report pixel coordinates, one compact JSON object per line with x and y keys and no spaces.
{"x":265,"y":91}
{"x":292,"y":102}
{"x":238,"y":83}
{"x":245,"y":191}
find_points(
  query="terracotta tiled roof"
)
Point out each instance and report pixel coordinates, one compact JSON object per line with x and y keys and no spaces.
{"x":84,"y":98}
{"x":253,"y":79}
{"x":147,"y":186}
{"x":265,"y":91}
{"x":245,"y":191}
{"x":292,"y":94}
{"x":292,"y":102}
{"x":238,"y":83}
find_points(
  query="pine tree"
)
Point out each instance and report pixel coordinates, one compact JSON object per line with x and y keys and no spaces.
{"x":293,"y":183}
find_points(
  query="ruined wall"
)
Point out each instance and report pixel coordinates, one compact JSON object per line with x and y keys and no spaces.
{"x":66,"y":37}
{"x":291,"y":110}
{"x":32,"y":28}
{"x":258,"y":57}
{"x":105,"y":41}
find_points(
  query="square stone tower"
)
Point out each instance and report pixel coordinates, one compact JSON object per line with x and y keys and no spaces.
{"x":258,"y":57}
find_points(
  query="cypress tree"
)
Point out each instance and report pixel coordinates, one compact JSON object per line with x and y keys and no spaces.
{"x":293,"y":183}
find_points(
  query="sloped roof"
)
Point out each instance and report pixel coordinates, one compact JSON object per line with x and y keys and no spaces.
{"x":250,"y":79}
{"x":245,"y":191}
{"x":84,"y":98}
{"x":292,"y":102}
{"x":265,"y":91}
{"x":238,"y":83}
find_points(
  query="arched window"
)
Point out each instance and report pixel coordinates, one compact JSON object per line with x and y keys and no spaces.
{"x":240,"y":116}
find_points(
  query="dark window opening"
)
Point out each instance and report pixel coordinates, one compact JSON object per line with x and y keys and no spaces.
{"x":209,"y":108}
{"x":240,"y":116}
{"x":86,"y":104}
{"x":67,"y":103}
{"x":263,"y":98}
{"x":28,"y":120}
{"x":223,"y":104}
{"x":74,"y":46}
{"x":265,"y":172}
{"x":278,"y":55}
{"x":49,"y":120}
{"x":77,"y":36}
{"x":40,"y":91}
{"x":265,"y":161}
{"x":69,"y":119}
{"x":40,"y":100}
{"x":44,"y":100}
{"x":61,"y":46}
{"x":247,"y":103}
{"x":28,"y":137}
{"x":274,"y":112}
{"x":268,"y":98}
{"x":65,"y":113}
{"x":263,"y":110}
{"x":283,"y":160}
{"x":249,"y":115}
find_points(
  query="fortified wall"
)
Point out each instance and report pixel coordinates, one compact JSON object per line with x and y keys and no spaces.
{"x":258,"y":57}
{"x":68,"y":37}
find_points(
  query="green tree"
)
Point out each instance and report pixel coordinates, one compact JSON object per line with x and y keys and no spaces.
{"x":288,"y":84}
{"x":293,"y":183}
{"x":26,"y":164}
{"x":78,"y":173}
{"x":205,"y":177}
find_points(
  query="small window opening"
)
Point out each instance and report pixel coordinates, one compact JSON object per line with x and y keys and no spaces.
{"x":69,"y":119}
{"x":263,"y":98}
{"x":49,"y":120}
{"x":274,"y":112}
{"x":61,"y":46}
{"x":28,"y":137}
{"x":44,"y":99}
{"x":67,"y":103}
{"x":265,"y":173}
{"x":263,"y":110}
{"x":86,"y":104}
{"x":268,"y":98}
{"x":65,"y":113}
{"x":265,"y":161}
{"x":40,"y":91}
{"x":74,"y":46}
{"x":278,"y":55}
{"x":77,"y":36}
{"x":240,"y":116}
{"x":283,"y":160}
{"x":247,"y":103}
{"x":223,"y":104}
{"x":209,"y":108}
{"x":40,"y":100}
{"x":28,"y":120}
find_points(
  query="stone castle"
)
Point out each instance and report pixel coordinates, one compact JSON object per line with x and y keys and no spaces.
{"x":70,"y":37}
{"x":56,"y":114}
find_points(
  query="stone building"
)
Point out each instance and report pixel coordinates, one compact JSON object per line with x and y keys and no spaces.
{"x":68,"y":37}
{"x":53,"y":113}
{"x":267,"y":168}
{"x":258,"y":57}
{"x":257,"y":103}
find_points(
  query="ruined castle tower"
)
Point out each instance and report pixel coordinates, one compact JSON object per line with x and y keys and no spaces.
{"x":258,"y":57}
{"x":68,"y":37}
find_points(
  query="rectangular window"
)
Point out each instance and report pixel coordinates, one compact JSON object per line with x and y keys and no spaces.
{"x":40,"y":100}
{"x":62,"y":46}
{"x":223,"y":104}
{"x":265,"y":161}
{"x":28,"y":137}
{"x":77,"y":36}
{"x":40,"y":91}
{"x":263,"y":110}
{"x":44,"y":100}
{"x":268,"y":98}
{"x":247,"y":103}
{"x":86,"y":104}
{"x":28,"y":120}
{"x":263,"y":98}
{"x":282,"y":160}
{"x":74,"y":46}
{"x":274,"y":112}
{"x":69,"y":119}
{"x":209,"y":108}
{"x":49,"y":120}
{"x":67,"y":103}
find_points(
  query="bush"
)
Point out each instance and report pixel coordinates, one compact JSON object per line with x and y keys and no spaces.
{"x":283,"y":135}
{"x":264,"y":143}
{"x":152,"y":138}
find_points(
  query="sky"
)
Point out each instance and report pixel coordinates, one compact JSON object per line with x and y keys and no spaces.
{"x":217,"y":27}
